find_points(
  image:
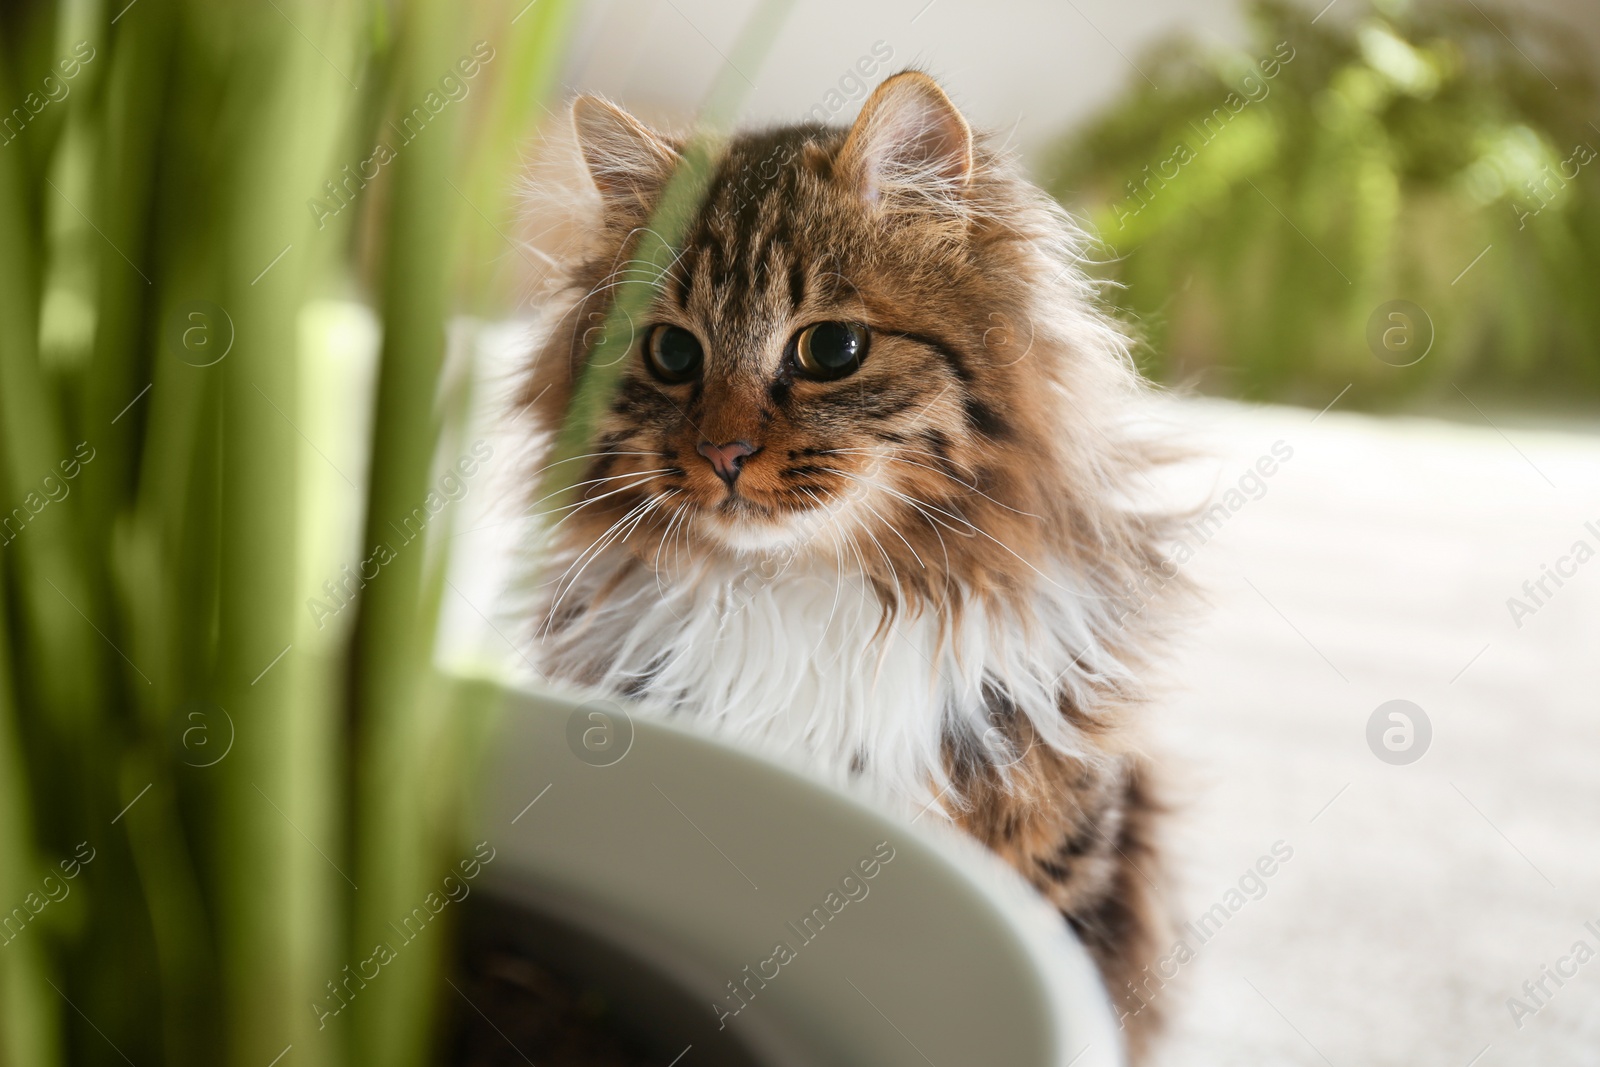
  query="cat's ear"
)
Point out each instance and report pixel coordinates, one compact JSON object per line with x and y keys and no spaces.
{"x":908,"y":138}
{"x":628,"y":161}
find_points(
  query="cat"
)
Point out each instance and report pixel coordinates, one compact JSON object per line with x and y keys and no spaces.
{"x":868,"y":494}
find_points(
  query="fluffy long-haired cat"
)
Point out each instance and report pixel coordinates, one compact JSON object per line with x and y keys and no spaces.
{"x":868,"y":492}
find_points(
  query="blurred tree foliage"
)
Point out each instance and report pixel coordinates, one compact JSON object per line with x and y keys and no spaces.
{"x":208,"y":211}
{"x":1260,"y":207}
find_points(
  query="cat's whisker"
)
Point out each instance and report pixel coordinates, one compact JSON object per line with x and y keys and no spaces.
{"x":666,"y":531}
{"x":590,"y":554}
{"x":597,"y":542}
{"x":670,"y":270}
{"x":677,"y":516}
{"x":611,"y":284}
{"x":578,"y":506}
{"x":966,"y":522}
{"x":587,"y":455}
{"x":554,"y":527}
{"x":653,"y":276}
{"x":969,"y":486}
{"x":618,"y":260}
{"x":879,"y":545}
{"x":620,"y":277}
{"x":970,"y":482}
{"x":897,"y":533}
{"x":888,"y":452}
{"x":812,"y":493}
{"x":833,"y":609}
{"x":979,"y":531}
{"x":921,"y":512}
{"x":867,"y":594}
{"x":914,"y":502}
{"x":679,"y":536}
{"x":682,"y":557}
{"x":620,"y":532}
{"x":943,"y":547}
{"x":644,"y":275}
{"x":592,"y":481}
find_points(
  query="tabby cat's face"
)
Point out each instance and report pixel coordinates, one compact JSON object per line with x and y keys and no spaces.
{"x":783,"y":363}
{"x":830,"y":358}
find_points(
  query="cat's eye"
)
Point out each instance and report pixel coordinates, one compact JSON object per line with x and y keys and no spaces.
{"x":829,"y":350}
{"x":672,"y":353}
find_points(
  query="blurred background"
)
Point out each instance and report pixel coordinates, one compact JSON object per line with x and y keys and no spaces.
{"x":264,"y":274}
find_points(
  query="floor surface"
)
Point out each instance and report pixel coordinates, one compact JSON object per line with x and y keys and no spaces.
{"x":1377,"y":565}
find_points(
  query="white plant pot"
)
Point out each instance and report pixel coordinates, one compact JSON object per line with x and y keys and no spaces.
{"x":695,"y":861}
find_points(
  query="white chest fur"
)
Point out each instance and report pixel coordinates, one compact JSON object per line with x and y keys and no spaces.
{"x":802,"y":665}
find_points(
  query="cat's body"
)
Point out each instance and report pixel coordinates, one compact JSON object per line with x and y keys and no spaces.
{"x":866,"y":494}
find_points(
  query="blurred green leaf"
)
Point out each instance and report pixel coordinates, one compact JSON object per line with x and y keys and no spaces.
{"x":186,"y":190}
{"x":1262,"y":205}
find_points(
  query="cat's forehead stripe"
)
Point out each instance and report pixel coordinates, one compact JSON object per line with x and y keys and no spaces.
{"x":748,"y":237}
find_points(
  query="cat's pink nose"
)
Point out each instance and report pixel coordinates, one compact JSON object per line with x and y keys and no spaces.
{"x":726,"y":459}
